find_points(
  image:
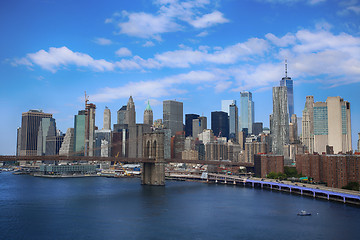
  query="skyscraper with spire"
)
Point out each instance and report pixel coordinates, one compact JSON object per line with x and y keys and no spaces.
{"x":148,"y":115}
{"x":288,"y":83}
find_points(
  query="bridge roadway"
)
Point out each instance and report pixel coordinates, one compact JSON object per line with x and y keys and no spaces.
{"x":5,"y":158}
{"x":310,"y":190}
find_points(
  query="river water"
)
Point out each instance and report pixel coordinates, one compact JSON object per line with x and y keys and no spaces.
{"x":115,"y":208}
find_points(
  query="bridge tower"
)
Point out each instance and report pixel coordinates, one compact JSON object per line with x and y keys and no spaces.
{"x":153,"y":148}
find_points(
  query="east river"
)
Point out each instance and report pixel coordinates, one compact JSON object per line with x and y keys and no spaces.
{"x":119,"y":208}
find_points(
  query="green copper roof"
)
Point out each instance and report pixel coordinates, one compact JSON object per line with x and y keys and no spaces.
{"x":148,"y":106}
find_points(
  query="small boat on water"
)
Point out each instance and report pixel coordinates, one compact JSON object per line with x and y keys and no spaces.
{"x":304,"y":213}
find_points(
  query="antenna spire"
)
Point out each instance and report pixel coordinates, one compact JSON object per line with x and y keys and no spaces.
{"x":286,"y":68}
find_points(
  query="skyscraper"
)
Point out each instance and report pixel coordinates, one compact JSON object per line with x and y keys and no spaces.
{"x":90,"y":129}
{"x":233,"y":122}
{"x":288,"y":83}
{"x":47,"y":128}
{"x":79,"y":132}
{"x":247,"y":114}
{"x":107,"y":119}
{"x":332,"y":125}
{"x":189,"y":124}
{"x":225,"y":105}
{"x":130,"y":114}
{"x":148,"y":115}
{"x":173,"y":116}
{"x":220,"y":124}
{"x":30,"y":123}
{"x":307,"y":131}
{"x":121,"y":115}
{"x":198,"y":126}
{"x":279,"y":121}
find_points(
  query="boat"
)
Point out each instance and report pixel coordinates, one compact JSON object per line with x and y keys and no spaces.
{"x":304,"y":213}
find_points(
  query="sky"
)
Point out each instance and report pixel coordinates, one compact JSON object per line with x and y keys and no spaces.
{"x":198,"y":52}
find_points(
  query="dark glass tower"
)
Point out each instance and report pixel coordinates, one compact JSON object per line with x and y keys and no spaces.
{"x":220,"y":124}
{"x":288,"y":83}
{"x":189,"y":123}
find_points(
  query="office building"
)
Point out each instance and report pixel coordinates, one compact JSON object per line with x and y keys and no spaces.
{"x":79,"y":133}
{"x":279,"y":121}
{"x":307,"y":133}
{"x":293,"y":131}
{"x":288,"y":83}
{"x":358,"y":145}
{"x":148,"y":115}
{"x":173,"y":116}
{"x":30,"y":123}
{"x":18,"y":141}
{"x":189,"y":124}
{"x":121,"y":115}
{"x":47,"y":128}
{"x":220,"y":124}
{"x":332,"y":125}
{"x":103,"y":143}
{"x":90,"y":129}
{"x":67,"y":147}
{"x":257,"y":128}
{"x":107,"y":119}
{"x":247,"y":113}
{"x":225,"y":105}
{"x":198,"y":126}
{"x":53,"y":145}
{"x":233,"y":122}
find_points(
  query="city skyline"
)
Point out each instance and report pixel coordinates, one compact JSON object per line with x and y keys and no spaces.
{"x":197,"y":52}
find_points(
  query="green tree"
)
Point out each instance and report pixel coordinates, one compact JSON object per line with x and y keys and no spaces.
{"x":352,"y":186}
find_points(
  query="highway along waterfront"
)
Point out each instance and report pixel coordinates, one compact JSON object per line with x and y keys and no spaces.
{"x":121,"y":208}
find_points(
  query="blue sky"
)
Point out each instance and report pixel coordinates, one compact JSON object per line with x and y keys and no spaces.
{"x":197,"y":51}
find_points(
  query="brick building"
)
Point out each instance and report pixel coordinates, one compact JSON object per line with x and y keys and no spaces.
{"x":335,"y":170}
{"x":265,"y":164}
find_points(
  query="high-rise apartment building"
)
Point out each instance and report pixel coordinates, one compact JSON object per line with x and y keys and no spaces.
{"x":233,"y":122}
{"x":107,"y":119}
{"x":279,"y":121}
{"x":30,"y":123}
{"x":247,"y":114}
{"x":225,"y":105}
{"x":332,"y":125}
{"x":288,"y":83}
{"x":220,"y":124}
{"x":358,"y":145}
{"x":189,"y":124}
{"x":198,"y":126}
{"x":148,"y":115}
{"x":67,"y":147}
{"x":173,"y":116}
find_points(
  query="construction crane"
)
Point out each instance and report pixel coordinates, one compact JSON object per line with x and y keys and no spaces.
{"x":121,"y":166}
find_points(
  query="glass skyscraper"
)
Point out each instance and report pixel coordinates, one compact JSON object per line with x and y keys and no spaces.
{"x":246,"y":111}
{"x":225,"y":105}
{"x":233,"y":122}
{"x":288,"y":83}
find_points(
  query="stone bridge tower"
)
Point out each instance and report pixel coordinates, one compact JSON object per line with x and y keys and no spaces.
{"x":153,"y":148}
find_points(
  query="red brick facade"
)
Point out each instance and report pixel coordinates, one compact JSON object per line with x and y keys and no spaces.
{"x":336,"y":170}
{"x":264,"y":164}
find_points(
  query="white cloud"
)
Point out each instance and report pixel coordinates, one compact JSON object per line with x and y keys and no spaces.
{"x":103,"y":41}
{"x":123,"y":52}
{"x":203,"y":34}
{"x":148,"y":44}
{"x":155,"y":88}
{"x":169,"y":18}
{"x":284,"y":41}
{"x":55,"y":58}
{"x":208,"y":20}
{"x":146,"y":25}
